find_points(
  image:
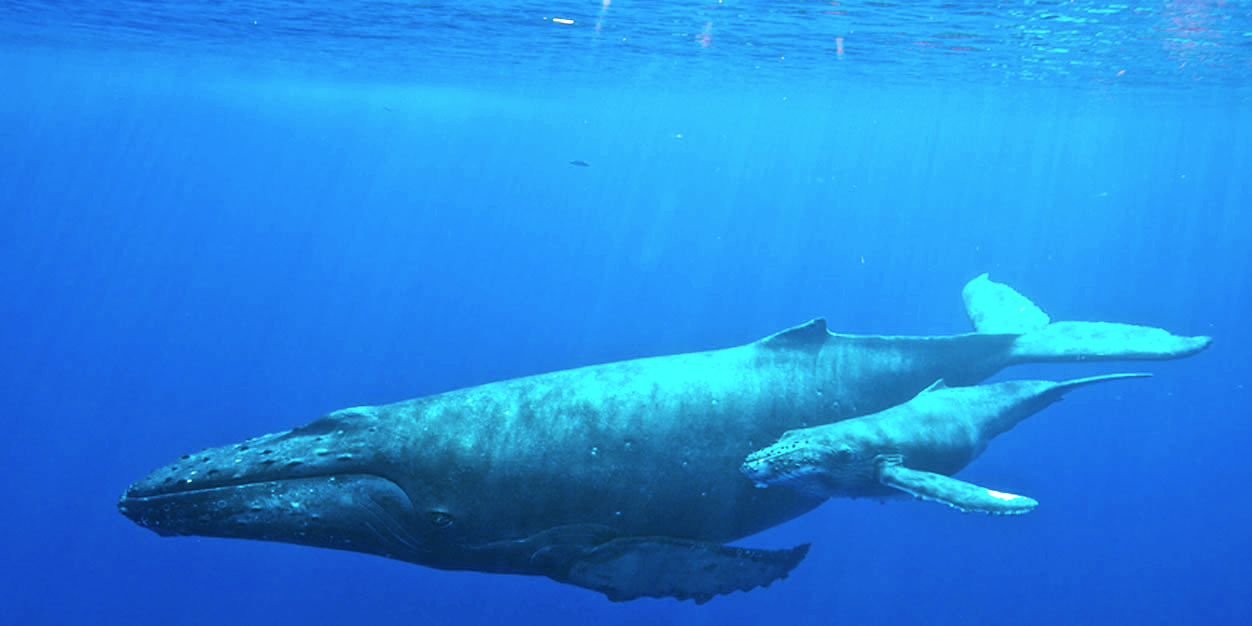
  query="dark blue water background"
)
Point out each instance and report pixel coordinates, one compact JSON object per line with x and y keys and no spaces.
{"x":225,"y":219}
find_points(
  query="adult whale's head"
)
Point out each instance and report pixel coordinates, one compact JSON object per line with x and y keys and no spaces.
{"x":338,"y":482}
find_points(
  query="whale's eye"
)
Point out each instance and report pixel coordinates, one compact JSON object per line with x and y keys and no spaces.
{"x":843,"y":454}
{"x":441,"y":519}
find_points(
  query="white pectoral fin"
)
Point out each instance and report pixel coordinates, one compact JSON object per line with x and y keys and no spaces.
{"x":955,"y":493}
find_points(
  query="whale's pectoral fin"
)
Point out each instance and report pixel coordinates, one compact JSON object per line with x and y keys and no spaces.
{"x":554,"y":548}
{"x":955,"y":493}
{"x":665,"y":567}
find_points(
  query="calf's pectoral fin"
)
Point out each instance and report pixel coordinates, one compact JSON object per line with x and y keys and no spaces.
{"x":627,"y":568}
{"x":955,"y":493}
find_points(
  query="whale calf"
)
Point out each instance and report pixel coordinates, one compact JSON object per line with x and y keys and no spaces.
{"x":914,"y":447}
{"x":622,"y":478}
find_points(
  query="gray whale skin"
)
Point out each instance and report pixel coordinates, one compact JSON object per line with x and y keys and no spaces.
{"x":622,"y":478}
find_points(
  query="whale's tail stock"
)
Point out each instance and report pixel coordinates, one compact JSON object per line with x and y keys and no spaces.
{"x":995,"y":308}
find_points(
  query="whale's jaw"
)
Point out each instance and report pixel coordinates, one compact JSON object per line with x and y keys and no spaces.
{"x":319,"y":485}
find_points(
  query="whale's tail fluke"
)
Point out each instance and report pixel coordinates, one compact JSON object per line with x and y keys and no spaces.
{"x":1104,"y":341}
{"x":995,"y":308}
{"x":1048,"y":392}
{"x":1065,"y":387}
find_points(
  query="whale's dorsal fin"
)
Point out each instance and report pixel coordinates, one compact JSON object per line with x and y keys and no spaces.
{"x":935,"y":386}
{"x":809,"y":333}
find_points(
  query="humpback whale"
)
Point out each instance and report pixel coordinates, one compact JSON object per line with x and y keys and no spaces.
{"x":914,"y":447}
{"x":622,"y":478}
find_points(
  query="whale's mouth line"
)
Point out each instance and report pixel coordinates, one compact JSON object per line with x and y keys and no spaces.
{"x":761,"y":456}
{"x":769,"y":457}
{"x":359,"y":511}
{"x":790,"y":465}
{"x":234,"y":485}
{"x":794,"y":451}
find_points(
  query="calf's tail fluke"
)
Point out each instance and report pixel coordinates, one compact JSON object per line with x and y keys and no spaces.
{"x":1069,"y":385}
{"x":997,"y":308}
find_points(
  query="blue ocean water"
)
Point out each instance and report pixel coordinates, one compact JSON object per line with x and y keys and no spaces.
{"x":224,"y":219}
